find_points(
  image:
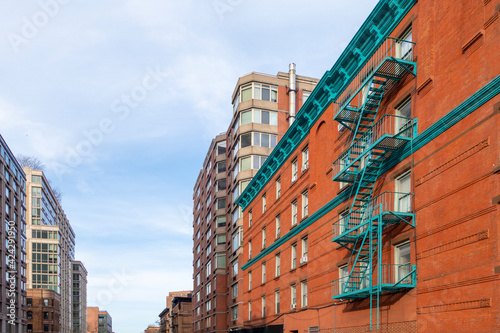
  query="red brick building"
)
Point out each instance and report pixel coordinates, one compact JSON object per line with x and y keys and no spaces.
{"x":43,"y":310}
{"x":385,"y":216}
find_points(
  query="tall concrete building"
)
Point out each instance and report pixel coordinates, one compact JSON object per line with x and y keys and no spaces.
{"x":263,"y":107}
{"x":379,"y":208}
{"x":79,"y":301}
{"x":51,"y":244}
{"x":13,"y":235}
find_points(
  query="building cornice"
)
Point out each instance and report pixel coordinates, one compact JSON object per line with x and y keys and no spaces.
{"x":386,"y":15}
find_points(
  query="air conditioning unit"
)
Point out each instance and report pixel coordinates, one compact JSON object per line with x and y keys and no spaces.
{"x":303,"y":260}
{"x":293,"y":306}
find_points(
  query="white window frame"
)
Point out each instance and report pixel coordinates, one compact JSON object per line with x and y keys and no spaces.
{"x":305,"y":204}
{"x":278,"y":188}
{"x":403,"y":202}
{"x":293,"y":294}
{"x":277,"y":302}
{"x":277,"y":268}
{"x":263,"y":272}
{"x":305,"y":159}
{"x":264,"y":204}
{"x":263,"y":306}
{"x":278,"y":226}
{"x":294,"y":256}
{"x":294,"y":171}
{"x":303,"y":294}
{"x":294,"y":213}
{"x":304,"y":248}
{"x":264,"y":238}
{"x":401,"y":271}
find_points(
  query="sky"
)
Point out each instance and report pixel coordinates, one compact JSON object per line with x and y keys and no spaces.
{"x":121,"y":99}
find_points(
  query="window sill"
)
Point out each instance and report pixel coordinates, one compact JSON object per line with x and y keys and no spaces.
{"x":343,"y":189}
{"x":276,"y":278}
{"x":293,"y":269}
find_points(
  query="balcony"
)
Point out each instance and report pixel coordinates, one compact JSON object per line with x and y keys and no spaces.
{"x":394,"y":277}
{"x":392,"y":60}
{"x":391,"y":207}
{"x":388,"y":135}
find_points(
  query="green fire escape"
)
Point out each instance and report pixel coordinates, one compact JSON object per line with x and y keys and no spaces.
{"x":375,"y":135}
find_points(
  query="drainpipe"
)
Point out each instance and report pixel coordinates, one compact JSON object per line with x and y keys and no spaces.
{"x":292,"y":93}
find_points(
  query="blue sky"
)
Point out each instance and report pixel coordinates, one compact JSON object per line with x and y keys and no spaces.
{"x":120,"y":100}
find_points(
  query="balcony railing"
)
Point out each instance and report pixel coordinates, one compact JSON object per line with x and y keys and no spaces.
{"x":394,"y":276}
{"x":390,"y":132}
{"x":392,"y":202}
{"x":399,"y":275}
{"x":390,"y":48}
{"x":351,"y":224}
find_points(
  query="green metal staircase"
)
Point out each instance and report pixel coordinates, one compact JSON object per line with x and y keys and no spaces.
{"x":374,"y":138}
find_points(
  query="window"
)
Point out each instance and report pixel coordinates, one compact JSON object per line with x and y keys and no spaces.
{"x":221,"y":167}
{"x":404,"y":47}
{"x":221,"y":260}
{"x":402,"y":260}
{"x":305,"y":96}
{"x":249,"y":310}
{"x":343,"y":221}
{"x":303,"y":293}
{"x":294,"y":170}
{"x":277,"y":301}
{"x":250,"y":249}
{"x":263,"y":273}
{"x":235,"y":290}
{"x":263,"y":238}
{"x":221,"y":221}
{"x":403,"y":120}
{"x":249,"y":218}
{"x":265,"y":92}
{"x":260,"y":91}
{"x":220,"y":185}
{"x":208,"y":288}
{"x":304,"y":249}
{"x":249,"y":280}
{"x":221,"y":239}
{"x":221,"y":148}
{"x":245,"y":163}
{"x":221,"y":203}
{"x":278,"y":264}
{"x":305,"y":204}
{"x":343,"y":275}
{"x":294,"y":213}
{"x":198,"y":279}
{"x":259,"y":116}
{"x":305,"y":159}
{"x":278,"y":188}
{"x":238,"y":239}
{"x":209,"y":268}
{"x":197,"y":296}
{"x":208,"y":305}
{"x":278,"y":226}
{"x":264,"y":204}
{"x":293,"y":295}
{"x":263,"y":302}
{"x":235,"y":268}
{"x":403,"y":193}
{"x":294,"y":256}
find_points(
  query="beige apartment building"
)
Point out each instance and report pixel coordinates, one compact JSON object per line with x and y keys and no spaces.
{"x":51,"y":244}
{"x":263,"y":108}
